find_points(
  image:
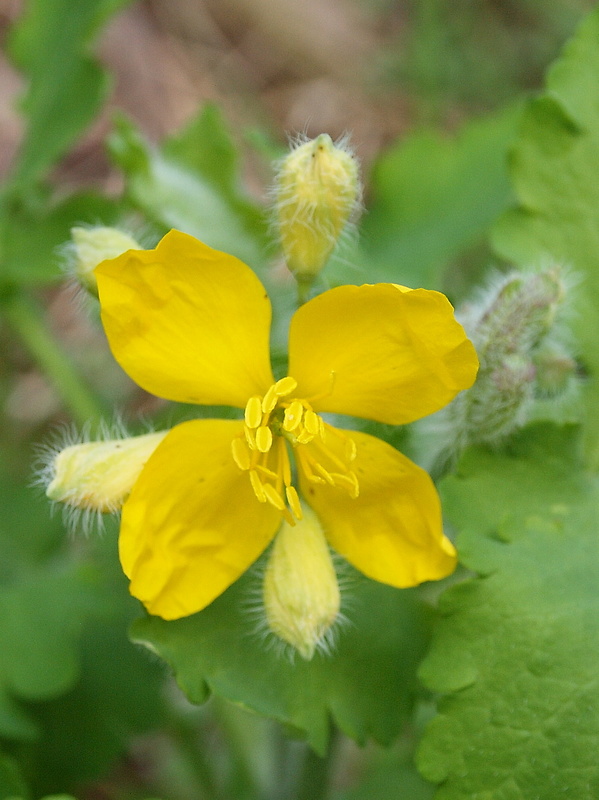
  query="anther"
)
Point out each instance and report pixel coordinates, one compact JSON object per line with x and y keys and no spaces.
{"x":253,"y":412}
{"x":257,"y":486}
{"x":270,"y":399}
{"x":273,"y":497}
{"x":293,"y":416}
{"x":294,"y":501}
{"x":304,"y":436}
{"x":285,"y":386}
{"x":241,"y":453}
{"x":263,"y":439}
{"x":312,"y":422}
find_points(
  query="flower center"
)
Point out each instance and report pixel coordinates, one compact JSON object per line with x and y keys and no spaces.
{"x":279,"y":421}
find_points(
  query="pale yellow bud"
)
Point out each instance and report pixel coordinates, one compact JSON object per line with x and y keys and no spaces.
{"x":317,"y":191}
{"x":98,"y":476}
{"x":301,"y":593}
{"x":91,"y":246}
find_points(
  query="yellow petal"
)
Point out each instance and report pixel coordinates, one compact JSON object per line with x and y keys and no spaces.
{"x":187,"y":322}
{"x":381,"y":352}
{"x":192,"y":524}
{"x":392,"y":531}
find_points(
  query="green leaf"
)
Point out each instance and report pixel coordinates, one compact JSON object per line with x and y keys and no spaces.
{"x":366,"y":686}
{"x":180,"y":185}
{"x":66,"y":86}
{"x":119,"y":695}
{"x":555,"y":173}
{"x":517,"y":648}
{"x":12,"y":784}
{"x":31,"y":233}
{"x":40,"y":622}
{"x":433,"y":197}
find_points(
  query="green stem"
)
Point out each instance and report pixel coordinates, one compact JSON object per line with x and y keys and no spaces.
{"x":27,"y":320}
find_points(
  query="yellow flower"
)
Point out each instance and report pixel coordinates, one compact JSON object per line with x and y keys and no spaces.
{"x":191,"y":324}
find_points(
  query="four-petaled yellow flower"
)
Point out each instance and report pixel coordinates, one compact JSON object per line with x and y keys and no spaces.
{"x":191,"y":324}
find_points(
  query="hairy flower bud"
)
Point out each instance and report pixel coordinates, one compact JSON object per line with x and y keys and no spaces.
{"x":301,"y":594}
{"x":512,"y":324}
{"x":91,"y":246}
{"x":317,"y":192}
{"x":98,"y":476}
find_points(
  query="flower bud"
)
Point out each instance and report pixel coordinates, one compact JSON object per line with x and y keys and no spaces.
{"x":98,"y":476}
{"x":91,"y":246}
{"x":301,"y":594}
{"x":555,"y":369}
{"x":317,"y":192}
{"x":511,"y":325}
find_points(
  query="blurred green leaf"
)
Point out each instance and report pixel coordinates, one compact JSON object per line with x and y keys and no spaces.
{"x":12,"y":784}
{"x":119,"y":695}
{"x":433,"y":197}
{"x":40,"y":622}
{"x":555,"y":172}
{"x":66,"y":88}
{"x":181,"y":185}
{"x":31,"y":233}
{"x":517,"y":648}
{"x":366,"y":686}
{"x":390,"y":781}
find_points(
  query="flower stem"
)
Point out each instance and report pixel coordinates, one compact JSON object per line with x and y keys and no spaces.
{"x":27,"y":320}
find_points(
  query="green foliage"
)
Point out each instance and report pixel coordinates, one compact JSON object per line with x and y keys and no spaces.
{"x":430,"y":202}
{"x":11,"y":782}
{"x":32,"y":232}
{"x":517,"y":649}
{"x":556,"y":178}
{"x":366,"y":686}
{"x":178,"y":186}
{"x":51,"y":45}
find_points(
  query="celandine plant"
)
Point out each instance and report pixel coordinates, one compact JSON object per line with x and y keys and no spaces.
{"x":252,"y":530}
{"x":191,"y":324}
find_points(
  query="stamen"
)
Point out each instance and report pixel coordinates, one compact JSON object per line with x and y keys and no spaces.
{"x":304,"y":436}
{"x":349,"y":481}
{"x":273,"y":497}
{"x":306,"y":462}
{"x":312,"y":422}
{"x":257,"y":486}
{"x":263,"y":439}
{"x":249,"y":437}
{"x":253,"y":412}
{"x":285,"y":386}
{"x":270,"y":399}
{"x":293,"y":416}
{"x":266,"y":472}
{"x":322,"y":471}
{"x":284,"y":464}
{"x":241,"y":453}
{"x":294,"y":501}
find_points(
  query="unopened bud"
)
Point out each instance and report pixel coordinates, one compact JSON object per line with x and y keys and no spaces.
{"x":98,"y":476}
{"x":301,"y":594}
{"x":317,"y":192}
{"x":555,"y":369}
{"x":510,"y":325}
{"x":91,"y":246}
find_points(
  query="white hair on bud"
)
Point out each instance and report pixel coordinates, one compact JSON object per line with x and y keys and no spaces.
{"x":252,"y":606}
{"x":77,"y":518}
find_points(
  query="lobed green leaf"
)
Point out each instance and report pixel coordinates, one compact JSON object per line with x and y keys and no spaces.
{"x":517,"y":648}
{"x":555,"y":173}
{"x":366,"y":686}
